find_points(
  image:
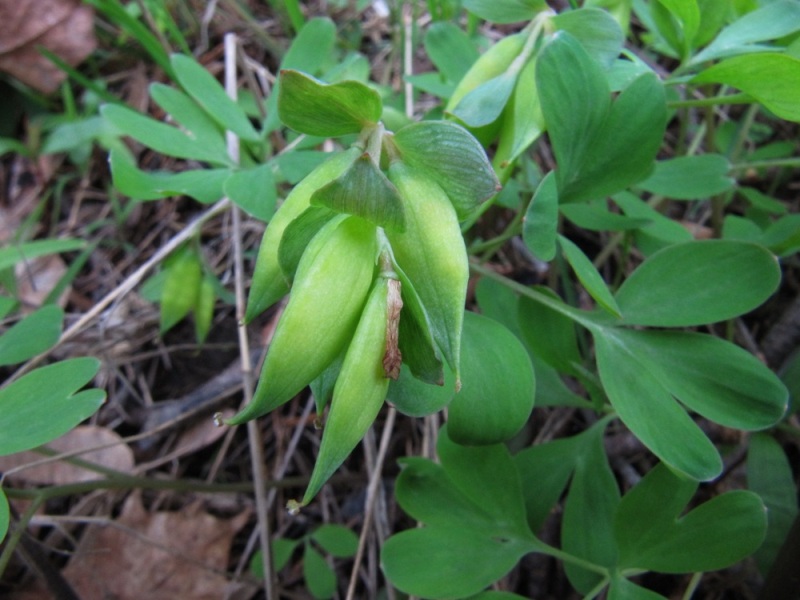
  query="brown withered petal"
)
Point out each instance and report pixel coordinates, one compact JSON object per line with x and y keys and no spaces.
{"x":392,"y":358}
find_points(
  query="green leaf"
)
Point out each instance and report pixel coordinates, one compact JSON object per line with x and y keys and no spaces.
{"x":161,"y":137}
{"x":207,"y":91}
{"x":336,"y":540}
{"x":597,"y":31}
{"x":363,"y":190}
{"x":11,"y":255}
{"x":498,"y":302}
{"x":320,"y":579}
{"x":624,"y":589}
{"x":450,"y":49}
{"x":687,"y":22}
{"x":550,"y":335}
{"x":475,"y":524}
{"x":298,"y":236}
{"x":591,"y":137}
{"x":204,"y":307}
{"x":651,"y":535}
{"x":545,"y":470}
{"x":769,"y":22}
{"x":416,"y":398}
{"x":312,"y":107}
{"x":588,"y":275}
{"x":5,"y":515}
{"x":649,"y":410}
{"x":312,"y":46}
{"x":181,"y":288}
{"x":505,"y":11}
{"x":204,"y":185}
{"x":540,"y":227}
{"x":595,"y":216}
{"x":772,"y":79}
{"x":497,"y":384}
{"x":253,"y":190}
{"x":590,"y":506}
{"x":189,"y":114}
{"x":711,"y":376}
{"x":453,"y":158}
{"x":698,"y":282}
{"x":32,"y":335}
{"x":660,"y":230}
{"x":44,"y":404}
{"x":690,"y":177}
{"x":770,"y":476}
{"x":483,"y":105}
{"x":523,"y":122}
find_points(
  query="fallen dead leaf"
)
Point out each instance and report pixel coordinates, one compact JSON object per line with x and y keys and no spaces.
{"x":37,"y":277}
{"x":64,"y":27}
{"x":158,"y":556}
{"x":114,"y":455}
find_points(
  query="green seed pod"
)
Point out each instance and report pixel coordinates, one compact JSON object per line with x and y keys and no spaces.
{"x":431,"y":252}
{"x":269,"y":284}
{"x":363,"y":381}
{"x":331,"y":285}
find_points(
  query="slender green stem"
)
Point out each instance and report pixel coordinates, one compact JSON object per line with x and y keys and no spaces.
{"x":693,"y":583}
{"x":17,"y":532}
{"x":792,"y":163}
{"x":572,"y":559}
{"x":575,"y":314}
{"x":712,"y":101}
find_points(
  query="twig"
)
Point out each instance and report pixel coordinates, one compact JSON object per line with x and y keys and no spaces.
{"x":372,"y":494}
{"x":254,"y":433}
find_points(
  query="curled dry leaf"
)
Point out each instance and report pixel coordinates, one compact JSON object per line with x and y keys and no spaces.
{"x":64,"y":27}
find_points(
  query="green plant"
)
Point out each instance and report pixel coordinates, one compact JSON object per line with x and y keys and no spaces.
{"x":370,"y":246}
{"x":44,"y":403}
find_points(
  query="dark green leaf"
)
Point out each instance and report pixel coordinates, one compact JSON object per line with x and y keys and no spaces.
{"x":312,"y":107}
{"x":690,"y":177}
{"x":32,"y":335}
{"x":549,"y":335}
{"x":5,"y":515}
{"x":588,"y":275}
{"x":544,"y":471}
{"x":660,"y":230}
{"x":650,"y":411}
{"x":590,"y":506}
{"x":312,"y":46}
{"x":540,"y":227}
{"x":715,"y":535}
{"x":770,"y":78}
{"x":483,"y":105}
{"x":253,"y":190}
{"x":161,"y":137}
{"x":453,"y":158}
{"x":769,"y":22}
{"x":298,"y":236}
{"x":363,"y":190}
{"x":769,"y":474}
{"x":416,"y":398}
{"x":505,"y":11}
{"x":44,"y":404}
{"x":336,"y":540}
{"x":591,"y":138}
{"x":320,"y":579}
{"x":450,"y":49}
{"x":498,"y":302}
{"x":204,"y":185}
{"x":624,"y":589}
{"x":497,"y":384}
{"x":596,"y":30}
{"x":711,"y":376}
{"x":595,"y":216}
{"x":698,"y":282}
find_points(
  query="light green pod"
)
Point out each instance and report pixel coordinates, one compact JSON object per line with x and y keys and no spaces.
{"x":489,"y":65}
{"x":432,"y":254}
{"x":360,"y":389}
{"x":269,"y":285}
{"x":330,"y":287}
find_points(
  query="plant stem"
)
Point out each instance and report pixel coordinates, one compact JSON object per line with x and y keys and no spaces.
{"x":712,"y":101}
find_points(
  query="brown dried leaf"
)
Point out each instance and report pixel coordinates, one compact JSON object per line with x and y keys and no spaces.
{"x":36,"y":278}
{"x":118,"y":457}
{"x":162,"y":555}
{"x":65,"y":27}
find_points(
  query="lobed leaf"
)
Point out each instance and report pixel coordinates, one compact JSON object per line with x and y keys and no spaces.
{"x":505,"y":11}
{"x":32,"y":335}
{"x":690,"y":177}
